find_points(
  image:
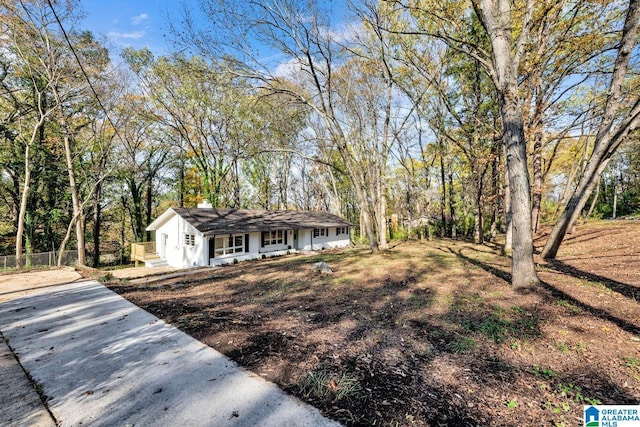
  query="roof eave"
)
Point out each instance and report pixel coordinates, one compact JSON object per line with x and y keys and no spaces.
{"x":159,"y":222}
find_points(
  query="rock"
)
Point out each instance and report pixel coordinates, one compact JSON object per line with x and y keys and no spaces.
{"x":322,"y":267}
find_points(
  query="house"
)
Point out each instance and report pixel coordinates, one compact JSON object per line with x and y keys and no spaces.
{"x":187,"y":237}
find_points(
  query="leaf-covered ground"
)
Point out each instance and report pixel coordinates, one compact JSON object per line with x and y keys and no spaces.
{"x":428,"y":333}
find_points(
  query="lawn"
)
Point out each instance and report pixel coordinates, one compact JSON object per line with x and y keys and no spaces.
{"x":428,"y":333}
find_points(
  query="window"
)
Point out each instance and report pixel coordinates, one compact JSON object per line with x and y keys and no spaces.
{"x":320,"y":232}
{"x":231,"y":244}
{"x":342,"y":230}
{"x":272,"y":238}
{"x":189,"y":239}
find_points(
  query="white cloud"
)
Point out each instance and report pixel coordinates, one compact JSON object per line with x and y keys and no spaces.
{"x":345,"y":33}
{"x":288,"y":70}
{"x":137,"y":20}
{"x":133,"y":35}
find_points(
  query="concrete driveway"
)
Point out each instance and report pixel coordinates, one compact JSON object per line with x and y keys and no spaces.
{"x":102,"y":361}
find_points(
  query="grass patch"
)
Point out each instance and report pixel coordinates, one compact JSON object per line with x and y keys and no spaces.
{"x":563,"y":347}
{"x":502,"y":324}
{"x":632,"y":362}
{"x":462,"y":345}
{"x":573,"y":309}
{"x":322,"y":385}
{"x":420,"y":298}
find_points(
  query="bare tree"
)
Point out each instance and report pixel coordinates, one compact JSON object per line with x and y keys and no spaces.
{"x":314,"y":58}
{"x":613,"y":130}
{"x":27,"y":28}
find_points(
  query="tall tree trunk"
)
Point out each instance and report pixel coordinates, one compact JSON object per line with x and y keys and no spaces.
{"x":359,"y":182}
{"x":26,"y":186}
{"x":23,"y":205}
{"x":148,"y":211}
{"x":236,"y":184}
{"x":607,"y":139}
{"x":97,"y":225}
{"x":452,"y":208}
{"x":537,"y":180}
{"x":75,"y":200}
{"x":478,"y":226}
{"x":443,"y":197}
{"x":123,"y":220}
{"x":495,"y":191}
{"x":181,"y":178}
{"x":615,"y":199}
{"x":496,"y":18}
{"x":136,"y":210}
{"x":508,"y":232}
{"x":382,"y":214}
{"x":522,"y":266}
{"x":73,"y":186}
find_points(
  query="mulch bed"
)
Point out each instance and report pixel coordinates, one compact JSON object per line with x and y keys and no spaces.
{"x":428,"y":333}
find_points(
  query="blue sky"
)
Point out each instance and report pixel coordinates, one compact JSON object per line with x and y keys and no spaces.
{"x":131,"y":23}
{"x":144,"y":23}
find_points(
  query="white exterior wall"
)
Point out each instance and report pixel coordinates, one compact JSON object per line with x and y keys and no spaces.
{"x":256,"y":251}
{"x":177,"y":254}
{"x":306,"y":241}
{"x":277,"y":247}
{"x":254,"y":244}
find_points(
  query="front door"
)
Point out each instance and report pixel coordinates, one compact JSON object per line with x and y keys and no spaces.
{"x":163,"y":245}
{"x":211,"y":250}
{"x":295,"y":239}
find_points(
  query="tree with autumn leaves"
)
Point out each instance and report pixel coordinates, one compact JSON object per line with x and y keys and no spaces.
{"x":459,"y":116}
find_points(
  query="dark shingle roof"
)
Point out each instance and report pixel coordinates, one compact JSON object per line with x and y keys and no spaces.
{"x":227,"y":221}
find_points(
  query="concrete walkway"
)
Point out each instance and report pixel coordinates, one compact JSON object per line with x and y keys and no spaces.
{"x":102,"y":361}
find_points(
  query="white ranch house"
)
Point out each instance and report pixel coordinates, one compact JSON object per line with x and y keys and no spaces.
{"x":189,"y":237}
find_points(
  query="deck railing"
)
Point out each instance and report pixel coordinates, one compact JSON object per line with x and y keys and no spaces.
{"x":143,"y":251}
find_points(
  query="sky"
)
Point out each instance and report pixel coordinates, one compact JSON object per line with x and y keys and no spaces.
{"x":131,"y":23}
{"x":144,"y":23}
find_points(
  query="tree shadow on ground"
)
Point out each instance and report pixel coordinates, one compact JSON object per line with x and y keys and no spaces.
{"x":557,"y":294}
{"x":629,"y":291}
{"x":427,"y":342}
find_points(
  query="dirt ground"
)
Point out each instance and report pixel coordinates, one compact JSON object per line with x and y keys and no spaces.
{"x":14,"y":286}
{"x":428,"y":333}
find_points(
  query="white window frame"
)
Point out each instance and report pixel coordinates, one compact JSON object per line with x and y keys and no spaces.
{"x":274,"y":237}
{"x":228,"y":244}
{"x":320,"y":232}
{"x":189,"y":239}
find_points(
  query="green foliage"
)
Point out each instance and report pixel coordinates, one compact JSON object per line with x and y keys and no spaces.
{"x":565,"y":396}
{"x":574,"y":393}
{"x":511,"y":403}
{"x":569,"y":306}
{"x":563,"y":347}
{"x":499,"y":324}
{"x":462,"y":345}
{"x":620,"y":184}
{"x":546,"y":373}
{"x":632,"y":362}
{"x":108,"y":277}
{"x":320,"y":384}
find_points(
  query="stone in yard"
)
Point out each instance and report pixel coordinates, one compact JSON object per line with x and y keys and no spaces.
{"x":322,"y":267}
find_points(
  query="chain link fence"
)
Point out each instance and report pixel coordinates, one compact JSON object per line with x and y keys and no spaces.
{"x":39,"y":260}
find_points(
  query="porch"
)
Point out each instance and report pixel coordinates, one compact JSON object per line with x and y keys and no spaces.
{"x":145,"y":251}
